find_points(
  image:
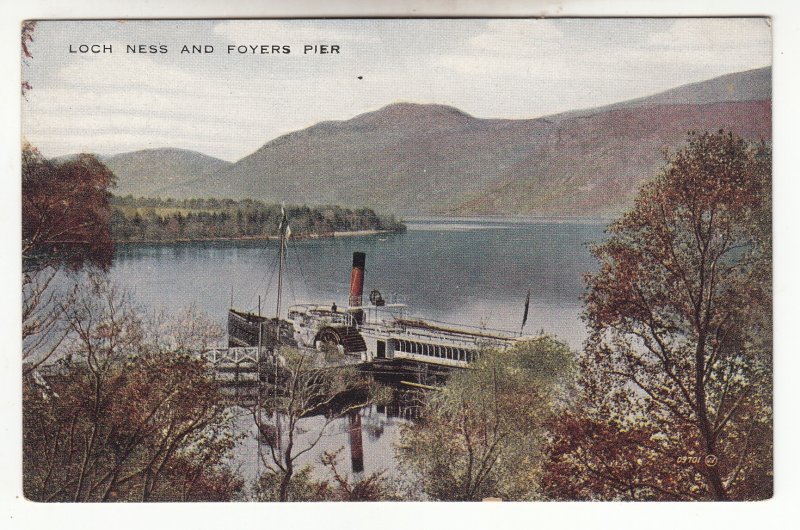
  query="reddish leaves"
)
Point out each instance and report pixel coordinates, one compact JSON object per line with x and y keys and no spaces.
{"x":27,"y":37}
{"x":678,"y":363}
{"x":65,"y":211}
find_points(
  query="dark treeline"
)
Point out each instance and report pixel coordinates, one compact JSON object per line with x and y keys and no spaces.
{"x":156,"y":219}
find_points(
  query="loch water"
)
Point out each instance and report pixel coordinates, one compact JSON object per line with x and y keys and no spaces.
{"x":470,"y":272}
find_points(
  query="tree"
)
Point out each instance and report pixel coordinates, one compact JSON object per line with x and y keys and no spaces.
{"x":373,"y":487}
{"x":27,"y":37}
{"x":45,"y":293}
{"x":65,"y":211}
{"x":305,"y":387}
{"x":304,"y":487}
{"x":123,"y":416}
{"x":65,"y":225}
{"x":676,"y":374}
{"x":492,"y":417}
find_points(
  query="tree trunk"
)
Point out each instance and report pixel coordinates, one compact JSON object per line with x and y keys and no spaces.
{"x":287,"y":476}
{"x":711,"y":473}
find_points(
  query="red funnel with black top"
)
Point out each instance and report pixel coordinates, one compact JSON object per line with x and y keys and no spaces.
{"x":357,"y":279}
{"x":357,"y":285}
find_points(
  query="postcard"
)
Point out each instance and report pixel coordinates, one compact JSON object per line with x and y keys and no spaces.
{"x":397,"y":259}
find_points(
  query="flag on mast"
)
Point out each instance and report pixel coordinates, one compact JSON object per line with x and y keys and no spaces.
{"x":525,"y":314}
{"x":284,"y":220}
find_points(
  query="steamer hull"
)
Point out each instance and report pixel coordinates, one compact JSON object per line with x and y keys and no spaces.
{"x":381,"y":330}
{"x":377,"y":331}
{"x":384,"y":334}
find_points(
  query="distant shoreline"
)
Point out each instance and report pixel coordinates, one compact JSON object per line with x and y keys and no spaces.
{"x":329,"y":235}
{"x":508,"y":219}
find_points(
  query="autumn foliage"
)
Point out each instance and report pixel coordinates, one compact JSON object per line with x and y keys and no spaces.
{"x":123,"y":415}
{"x":28,"y":26}
{"x":676,"y":374}
{"x":65,"y":211}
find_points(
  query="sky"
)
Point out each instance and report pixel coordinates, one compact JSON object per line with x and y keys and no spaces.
{"x":228,"y":105}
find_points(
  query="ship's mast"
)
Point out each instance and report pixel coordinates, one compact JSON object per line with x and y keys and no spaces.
{"x":283,"y":228}
{"x":284,"y":231}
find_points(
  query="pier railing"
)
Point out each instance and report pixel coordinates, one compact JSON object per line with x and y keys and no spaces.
{"x":230,"y":355}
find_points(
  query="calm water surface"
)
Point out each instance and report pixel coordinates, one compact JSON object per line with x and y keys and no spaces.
{"x":471,"y":272}
{"x":468,"y":272}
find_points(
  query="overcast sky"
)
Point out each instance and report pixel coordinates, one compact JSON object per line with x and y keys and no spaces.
{"x":228,"y":105}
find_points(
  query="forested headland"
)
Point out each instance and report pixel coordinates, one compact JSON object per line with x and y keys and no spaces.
{"x":140,"y":219}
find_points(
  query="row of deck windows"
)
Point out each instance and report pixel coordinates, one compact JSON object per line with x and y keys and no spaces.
{"x":435,"y":350}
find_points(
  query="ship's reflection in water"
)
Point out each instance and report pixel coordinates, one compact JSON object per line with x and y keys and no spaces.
{"x":366,"y":438}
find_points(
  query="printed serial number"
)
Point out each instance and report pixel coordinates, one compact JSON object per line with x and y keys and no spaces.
{"x":709,"y":460}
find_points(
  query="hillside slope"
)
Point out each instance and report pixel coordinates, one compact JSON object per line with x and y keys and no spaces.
{"x":151,"y":171}
{"x":750,"y":85}
{"x":414,"y":159}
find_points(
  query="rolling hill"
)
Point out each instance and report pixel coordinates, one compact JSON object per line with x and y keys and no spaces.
{"x":150,"y":171}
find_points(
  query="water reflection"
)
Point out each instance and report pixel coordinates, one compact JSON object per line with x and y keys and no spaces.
{"x":356,"y":443}
{"x":470,"y":272}
{"x":367,"y":436}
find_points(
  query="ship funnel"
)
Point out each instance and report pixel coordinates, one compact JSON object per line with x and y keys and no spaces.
{"x":357,"y":279}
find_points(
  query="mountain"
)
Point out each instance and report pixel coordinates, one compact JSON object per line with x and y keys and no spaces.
{"x":150,"y":171}
{"x":598,"y":163}
{"x":415,"y":159}
{"x":750,"y":85}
